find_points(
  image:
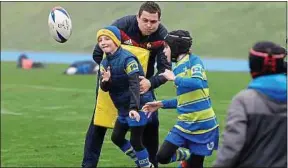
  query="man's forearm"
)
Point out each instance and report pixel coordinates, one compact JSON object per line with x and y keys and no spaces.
{"x":162,"y":64}
{"x":157,"y":81}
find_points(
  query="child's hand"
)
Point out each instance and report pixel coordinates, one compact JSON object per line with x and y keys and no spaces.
{"x":169,"y":75}
{"x":106,"y":75}
{"x":134,"y":115}
{"x":151,"y":107}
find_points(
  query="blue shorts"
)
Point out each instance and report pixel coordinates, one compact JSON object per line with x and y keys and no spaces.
{"x":133,"y":122}
{"x":210,"y":141}
{"x":125,"y":119}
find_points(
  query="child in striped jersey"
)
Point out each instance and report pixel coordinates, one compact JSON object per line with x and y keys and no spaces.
{"x":196,"y":128}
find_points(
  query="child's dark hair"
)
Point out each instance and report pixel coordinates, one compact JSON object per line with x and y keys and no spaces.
{"x":151,"y":7}
{"x":267,"y":58}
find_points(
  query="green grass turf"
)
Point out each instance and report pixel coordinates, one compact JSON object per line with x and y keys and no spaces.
{"x":45,"y":115}
{"x":220,"y":29}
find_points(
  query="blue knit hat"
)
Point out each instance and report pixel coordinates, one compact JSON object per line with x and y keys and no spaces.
{"x":111,"y":31}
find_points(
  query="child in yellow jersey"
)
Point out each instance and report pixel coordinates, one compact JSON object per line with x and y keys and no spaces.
{"x":196,"y":128}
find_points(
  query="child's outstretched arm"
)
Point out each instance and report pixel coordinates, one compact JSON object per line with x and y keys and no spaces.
{"x":169,"y":104}
{"x":151,"y":107}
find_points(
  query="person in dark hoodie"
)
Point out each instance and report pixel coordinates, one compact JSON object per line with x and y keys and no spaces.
{"x":256,"y":129}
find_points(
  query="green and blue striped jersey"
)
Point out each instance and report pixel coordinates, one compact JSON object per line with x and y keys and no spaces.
{"x":196,"y":115}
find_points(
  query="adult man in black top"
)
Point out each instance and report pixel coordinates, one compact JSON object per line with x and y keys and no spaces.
{"x":143,"y":30}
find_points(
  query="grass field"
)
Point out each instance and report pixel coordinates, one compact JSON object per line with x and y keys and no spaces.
{"x":45,"y":115}
{"x":219,"y":29}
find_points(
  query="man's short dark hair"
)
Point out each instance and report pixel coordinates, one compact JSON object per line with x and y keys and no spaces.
{"x":151,"y":7}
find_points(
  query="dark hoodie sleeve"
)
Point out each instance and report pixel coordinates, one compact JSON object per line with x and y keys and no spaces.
{"x":162,"y":62}
{"x":134,"y":87}
{"x":97,"y":54}
{"x":105,"y":85}
{"x":234,"y":135}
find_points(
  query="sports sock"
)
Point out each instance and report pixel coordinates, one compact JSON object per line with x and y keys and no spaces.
{"x":181,"y":154}
{"x":129,"y":151}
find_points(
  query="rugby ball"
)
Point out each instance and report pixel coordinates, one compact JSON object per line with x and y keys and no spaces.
{"x":60,"y":24}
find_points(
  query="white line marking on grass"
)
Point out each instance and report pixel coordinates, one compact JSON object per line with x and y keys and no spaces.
{"x":4,"y":111}
{"x":43,"y":87}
